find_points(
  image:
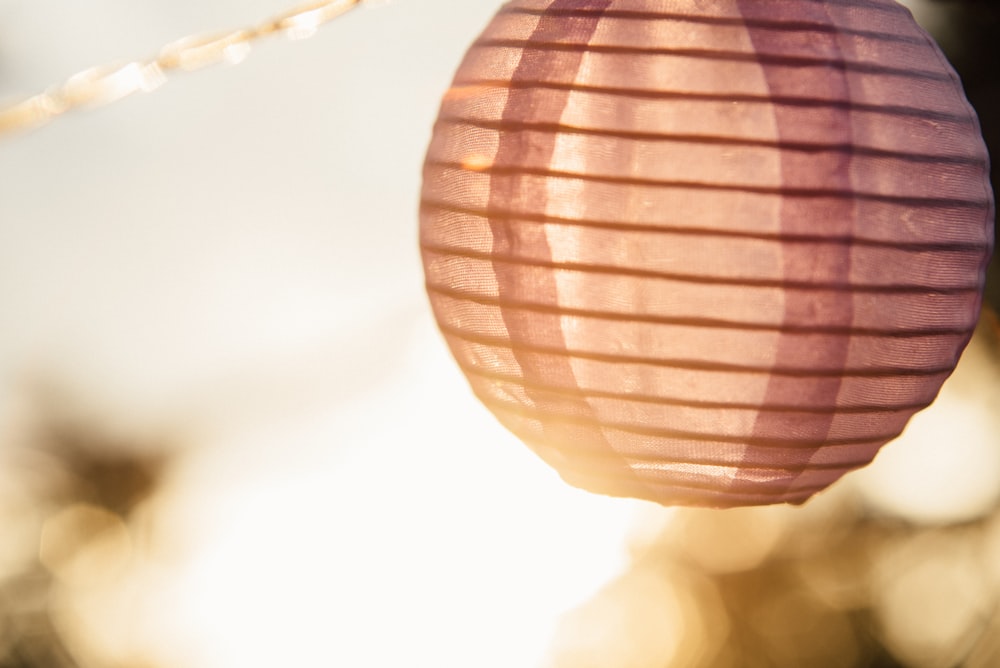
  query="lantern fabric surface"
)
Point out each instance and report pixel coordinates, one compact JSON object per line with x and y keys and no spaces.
{"x":710,"y":252}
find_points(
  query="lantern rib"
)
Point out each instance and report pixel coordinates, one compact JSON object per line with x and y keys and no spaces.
{"x":691,"y":364}
{"x":699,"y":279}
{"x":486,"y":374}
{"x":702,"y":96}
{"x":779,"y":60}
{"x":711,"y":323}
{"x":811,"y":193}
{"x":583,"y":453}
{"x":670,"y":228}
{"x":690,"y":138}
{"x":735,"y":21}
{"x":789,"y":443}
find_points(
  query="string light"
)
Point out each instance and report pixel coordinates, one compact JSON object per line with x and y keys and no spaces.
{"x":99,"y":86}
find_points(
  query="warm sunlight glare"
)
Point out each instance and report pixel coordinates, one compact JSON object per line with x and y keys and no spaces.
{"x":428,"y":531}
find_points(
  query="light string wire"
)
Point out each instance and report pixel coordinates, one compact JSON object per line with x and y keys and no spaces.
{"x":102,"y":85}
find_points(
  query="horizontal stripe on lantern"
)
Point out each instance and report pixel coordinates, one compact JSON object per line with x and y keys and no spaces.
{"x":741,"y":209}
{"x":743,"y":55}
{"x":476,"y":372}
{"x":740,"y":118}
{"x":699,"y":385}
{"x":671,"y":447}
{"x":709,"y":253}
{"x":739,"y":481}
{"x":693,"y":74}
{"x":583,"y":441}
{"x":667,"y":28}
{"x":673,"y":298}
{"x":457,"y":218}
{"x":788,"y":440}
{"x":482,"y":133}
{"x":738,"y":425}
{"x":785,"y":191}
{"x":661,"y":341}
{"x":761,"y":14}
{"x":655,"y":157}
{"x":704,"y":258}
{"x":729,"y":277}
{"x":818,"y":371}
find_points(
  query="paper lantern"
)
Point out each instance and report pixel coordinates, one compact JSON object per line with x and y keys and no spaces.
{"x":710,"y":252}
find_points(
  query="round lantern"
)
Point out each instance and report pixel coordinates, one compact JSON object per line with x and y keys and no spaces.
{"x":710,"y":252}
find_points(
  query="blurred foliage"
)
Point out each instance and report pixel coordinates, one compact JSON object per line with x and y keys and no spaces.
{"x":65,"y":486}
{"x":828,"y":585}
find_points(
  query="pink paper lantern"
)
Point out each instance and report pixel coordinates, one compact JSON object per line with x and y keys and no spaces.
{"x":712,"y":253}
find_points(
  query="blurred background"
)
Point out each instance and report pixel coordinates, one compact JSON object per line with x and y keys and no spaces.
{"x":231,"y":437}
